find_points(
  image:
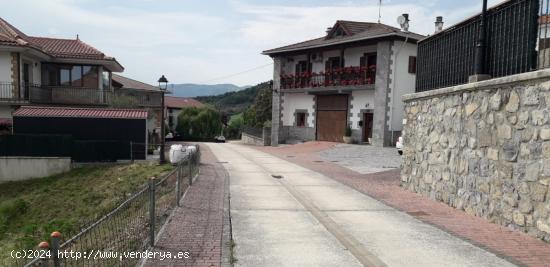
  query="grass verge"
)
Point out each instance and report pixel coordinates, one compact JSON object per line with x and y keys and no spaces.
{"x":30,"y":210}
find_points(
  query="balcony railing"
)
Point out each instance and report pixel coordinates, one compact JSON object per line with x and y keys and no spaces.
{"x":347,"y":76}
{"x":38,"y":94}
{"x":9,"y":93}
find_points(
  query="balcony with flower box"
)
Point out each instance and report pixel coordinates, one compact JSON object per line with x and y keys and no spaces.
{"x":347,"y":78}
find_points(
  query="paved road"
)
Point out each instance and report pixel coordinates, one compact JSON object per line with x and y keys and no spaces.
{"x":308,"y":219}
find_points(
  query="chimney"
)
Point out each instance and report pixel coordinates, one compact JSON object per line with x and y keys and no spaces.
{"x":438,"y":24}
{"x":328,"y":30}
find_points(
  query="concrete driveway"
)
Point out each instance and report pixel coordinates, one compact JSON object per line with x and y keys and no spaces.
{"x":286,"y":215}
{"x":363,"y":159}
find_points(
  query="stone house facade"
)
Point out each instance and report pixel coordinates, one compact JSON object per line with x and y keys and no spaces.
{"x":353,"y":76}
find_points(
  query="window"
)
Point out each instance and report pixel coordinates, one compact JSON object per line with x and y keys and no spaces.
{"x":412,"y":65}
{"x":170,"y":121}
{"x":302,"y":66}
{"x":76,"y":76}
{"x":65,"y":76}
{"x":69,"y":75}
{"x":333,"y":63}
{"x":89,"y":76}
{"x":368,"y":60}
{"x":301,"y":119}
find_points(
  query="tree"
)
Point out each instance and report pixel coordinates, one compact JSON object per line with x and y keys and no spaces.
{"x":260,"y":110}
{"x":199,"y":123}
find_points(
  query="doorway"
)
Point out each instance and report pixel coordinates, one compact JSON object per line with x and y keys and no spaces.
{"x":367,"y":126}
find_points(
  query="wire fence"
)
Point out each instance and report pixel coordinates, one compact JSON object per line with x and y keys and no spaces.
{"x":121,"y":237}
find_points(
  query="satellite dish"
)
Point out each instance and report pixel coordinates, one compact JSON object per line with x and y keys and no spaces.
{"x":401,"y":20}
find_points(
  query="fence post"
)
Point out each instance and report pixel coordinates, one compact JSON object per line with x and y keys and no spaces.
{"x":44,"y":246}
{"x":55,"y":248}
{"x":152,"y":184}
{"x":190,"y":170}
{"x":178,"y":184}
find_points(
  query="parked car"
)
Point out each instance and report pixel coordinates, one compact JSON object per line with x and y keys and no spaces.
{"x":399,"y":145}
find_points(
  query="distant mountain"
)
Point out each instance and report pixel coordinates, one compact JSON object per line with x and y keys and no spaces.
{"x":193,"y":90}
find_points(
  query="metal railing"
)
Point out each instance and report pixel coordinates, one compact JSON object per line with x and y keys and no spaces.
{"x":40,"y":94}
{"x":347,"y":76}
{"x":132,"y":227}
{"x":9,"y":92}
{"x":448,"y":58}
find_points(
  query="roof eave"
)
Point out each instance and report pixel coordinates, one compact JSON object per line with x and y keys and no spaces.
{"x":394,"y":34}
{"x":111,"y":64}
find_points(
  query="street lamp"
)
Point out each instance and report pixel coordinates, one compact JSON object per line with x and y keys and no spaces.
{"x":163,"y":85}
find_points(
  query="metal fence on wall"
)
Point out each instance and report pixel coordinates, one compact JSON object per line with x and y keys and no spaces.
{"x":131,"y":227}
{"x":448,"y":58}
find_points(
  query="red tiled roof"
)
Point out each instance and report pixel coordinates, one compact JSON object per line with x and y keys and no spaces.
{"x":4,"y":121}
{"x":67,"y":48}
{"x":181,"y":102}
{"x":101,"y":113}
{"x":127,"y":83}
{"x":55,"y":47}
{"x":544,"y":19}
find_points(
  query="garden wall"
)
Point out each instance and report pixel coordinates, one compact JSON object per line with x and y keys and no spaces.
{"x":23,"y":168}
{"x":484,"y":148}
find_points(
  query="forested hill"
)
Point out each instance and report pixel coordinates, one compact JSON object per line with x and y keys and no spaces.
{"x":193,"y":90}
{"x":233,"y":102}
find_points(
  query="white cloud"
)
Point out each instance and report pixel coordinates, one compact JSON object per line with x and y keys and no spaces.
{"x":194,"y":47}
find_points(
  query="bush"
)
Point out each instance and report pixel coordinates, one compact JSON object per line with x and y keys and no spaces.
{"x":199,"y":123}
{"x":233,"y":130}
{"x":348,"y":131}
{"x":10,"y":210}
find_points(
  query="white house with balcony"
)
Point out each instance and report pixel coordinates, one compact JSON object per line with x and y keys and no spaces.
{"x":51,"y":71}
{"x":353,"y":76}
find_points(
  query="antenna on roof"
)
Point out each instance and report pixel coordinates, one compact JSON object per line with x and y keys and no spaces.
{"x":379,"y":10}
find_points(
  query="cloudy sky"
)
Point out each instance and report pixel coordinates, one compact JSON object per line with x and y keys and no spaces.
{"x":210,"y":41}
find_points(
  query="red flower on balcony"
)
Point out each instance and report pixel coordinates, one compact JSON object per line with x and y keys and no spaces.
{"x":369,"y":80}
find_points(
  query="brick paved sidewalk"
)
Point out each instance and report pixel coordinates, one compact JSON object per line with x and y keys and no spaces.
{"x":513,"y":245}
{"x":198,"y":225}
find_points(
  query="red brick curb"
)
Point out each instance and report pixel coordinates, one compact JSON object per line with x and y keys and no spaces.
{"x":513,"y":245}
{"x":198,"y":225}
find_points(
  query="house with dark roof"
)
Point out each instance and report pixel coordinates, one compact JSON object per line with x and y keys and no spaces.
{"x":353,"y":76}
{"x":173,"y":106}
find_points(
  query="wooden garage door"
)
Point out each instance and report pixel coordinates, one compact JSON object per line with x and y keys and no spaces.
{"x":331,"y":117}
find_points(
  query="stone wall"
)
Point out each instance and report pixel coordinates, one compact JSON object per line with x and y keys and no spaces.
{"x":484,"y":148}
{"x":251,"y":140}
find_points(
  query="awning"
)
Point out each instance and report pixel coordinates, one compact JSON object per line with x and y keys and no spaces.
{"x":69,"y":112}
